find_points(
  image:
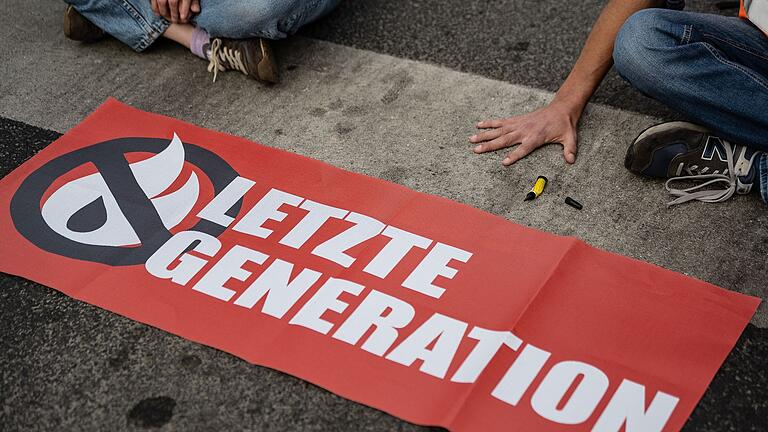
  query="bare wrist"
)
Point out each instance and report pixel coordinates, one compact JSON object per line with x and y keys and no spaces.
{"x":571,"y":107}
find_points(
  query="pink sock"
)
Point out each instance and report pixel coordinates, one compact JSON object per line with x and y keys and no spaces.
{"x":199,"y":39}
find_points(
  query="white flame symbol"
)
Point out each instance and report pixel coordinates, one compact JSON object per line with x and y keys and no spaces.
{"x":154,"y":175}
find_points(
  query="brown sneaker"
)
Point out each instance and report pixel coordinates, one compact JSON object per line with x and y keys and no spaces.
{"x":253,"y":57}
{"x":78,"y":28}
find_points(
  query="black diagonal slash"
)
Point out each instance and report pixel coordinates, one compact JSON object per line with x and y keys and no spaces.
{"x":133,"y":202}
{"x":109,"y":158}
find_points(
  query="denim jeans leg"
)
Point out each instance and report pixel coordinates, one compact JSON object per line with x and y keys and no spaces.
{"x":271,"y":19}
{"x":762,"y":172}
{"x":130,"y":21}
{"x":712,"y":69}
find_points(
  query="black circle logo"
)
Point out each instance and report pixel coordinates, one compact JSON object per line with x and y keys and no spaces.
{"x":119,"y":215}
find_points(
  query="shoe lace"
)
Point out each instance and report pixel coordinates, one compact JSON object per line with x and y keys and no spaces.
{"x":222,"y":58}
{"x":703,"y":192}
{"x":693,"y":169}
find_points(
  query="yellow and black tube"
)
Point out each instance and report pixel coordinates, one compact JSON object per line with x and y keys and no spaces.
{"x":537,"y":189}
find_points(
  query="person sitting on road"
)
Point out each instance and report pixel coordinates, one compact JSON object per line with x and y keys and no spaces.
{"x":712,"y":69}
{"x":230,"y":35}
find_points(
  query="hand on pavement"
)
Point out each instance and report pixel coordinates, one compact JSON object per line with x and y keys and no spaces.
{"x":554,"y":123}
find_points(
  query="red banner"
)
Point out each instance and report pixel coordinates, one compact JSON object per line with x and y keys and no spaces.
{"x":434,"y":311}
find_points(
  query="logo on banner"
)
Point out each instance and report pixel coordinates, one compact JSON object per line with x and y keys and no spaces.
{"x":124,"y":211}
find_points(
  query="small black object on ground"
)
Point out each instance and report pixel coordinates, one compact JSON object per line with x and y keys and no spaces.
{"x":573,"y":203}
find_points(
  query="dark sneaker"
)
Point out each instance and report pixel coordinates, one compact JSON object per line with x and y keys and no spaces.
{"x":78,"y":28}
{"x":684,"y":151}
{"x":253,"y":57}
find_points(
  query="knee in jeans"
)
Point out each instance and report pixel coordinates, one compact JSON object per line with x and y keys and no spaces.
{"x":266,"y":18}
{"x":272,"y":19}
{"x":635,"y":52}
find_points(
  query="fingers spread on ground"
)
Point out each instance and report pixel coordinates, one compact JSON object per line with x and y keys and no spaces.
{"x":569,"y":149}
{"x":485,"y":124}
{"x":503,"y":141}
{"x":487,"y":135}
{"x":518,"y":153}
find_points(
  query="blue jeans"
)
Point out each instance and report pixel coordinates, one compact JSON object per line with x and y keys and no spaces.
{"x":710,"y":68}
{"x":133,"y":22}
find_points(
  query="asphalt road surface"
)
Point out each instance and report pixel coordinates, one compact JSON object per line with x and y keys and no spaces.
{"x":385,"y":88}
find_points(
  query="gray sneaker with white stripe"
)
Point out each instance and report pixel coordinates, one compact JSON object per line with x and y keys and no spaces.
{"x":681,"y":151}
